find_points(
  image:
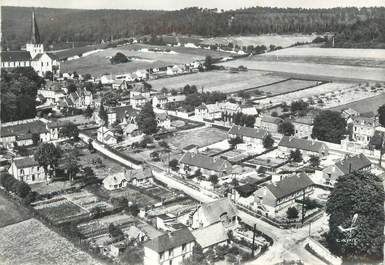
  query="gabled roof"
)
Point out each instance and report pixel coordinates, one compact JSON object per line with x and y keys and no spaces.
{"x":122,"y":111}
{"x":206,"y":162}
{"x":365,"y":120}
{"x":25,"y":162}
{"x":139,"y":174}
{"x":353,"y":163}
{"x":214,"y":210}
{"x":248,"y":132}
{"x":15,"y":56}
{"x":31,"y":127}
{"x":246,"y":190}
{"x":114,"y":179}
{"x":170,"y":240}
{"x":270,"y":119}
{"x":210,"y":235}
{"x":289,"y":185}
{"x":302,"y":144}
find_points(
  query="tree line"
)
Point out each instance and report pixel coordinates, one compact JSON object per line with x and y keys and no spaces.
{"x":66,"y":25}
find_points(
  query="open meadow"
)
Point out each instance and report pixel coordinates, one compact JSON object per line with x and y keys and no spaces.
{"x":337,"y":56}
{"x":267,"y":40}
{"x":312,"y":70}
{"x":222,"y":81}
{"x":31,"y":242}
{"x":98,"y":63}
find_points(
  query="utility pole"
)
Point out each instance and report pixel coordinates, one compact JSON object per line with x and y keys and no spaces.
{"x":303,"y":206}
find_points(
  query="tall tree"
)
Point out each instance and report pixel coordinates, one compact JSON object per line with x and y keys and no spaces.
{"x":286,"y":128}
{"x":70,"y":130}
{"x":329,"y":126}
{"x":268,"y":141}
{"x":71,"y":165}
{"x":359,"y":193}
{"x":103,"y":114}
{"x":146,"y":119}
{"x":47,"y":155}
{"x":381,"y":115}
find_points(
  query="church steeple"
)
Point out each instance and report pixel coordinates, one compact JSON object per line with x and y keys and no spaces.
{"x":35,"y":36}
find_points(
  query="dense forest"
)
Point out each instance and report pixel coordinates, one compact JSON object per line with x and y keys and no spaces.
{"x":353,"y":26}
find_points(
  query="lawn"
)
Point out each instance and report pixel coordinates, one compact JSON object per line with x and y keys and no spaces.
{"x":98,"y":63}
{"x":322,"y":71}
{"x":365,"y":105}
{"x":201,"y":137}
{"x":10,"y":213}
{"x":30,"y":242}
{"x":222,"y":81}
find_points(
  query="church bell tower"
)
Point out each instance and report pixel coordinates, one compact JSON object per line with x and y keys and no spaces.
{"x":34,"y":46}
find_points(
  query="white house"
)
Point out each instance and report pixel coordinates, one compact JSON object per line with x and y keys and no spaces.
{"x":169,"y":248}
{"x":115,"y":181}
{"x":27,"y":169}
{"x":251,"y":137}
{"x":106,"y":136}
{"x":364,"y":129}
{"x":208,"y":111}
{"x":307,"y":147}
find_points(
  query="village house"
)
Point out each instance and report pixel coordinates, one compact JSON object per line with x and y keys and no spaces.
{"x":52,"y":96}
{"x":119,"y":114}
{"x":161,"y":101}
{"x":106,"y":136}
{"x":277,"y":196}
{"x":345,"y":166}
{"x":168,"y":222}
{"x":211,"y":236}
{"x":191,"y":162}
{"x":208,"y":112}
{"x":363,"y":129}
{"x":303,"y":127}
{"x":349,"y":114}
{"x":140,"y":177}
{"x":269,"y":123}
{"x":139,"y":95}
{"x":221,"y":210}
{"x":248,"y":109}
{"x":115,"y":181}
{"x":307,"y":147}
{"x":163,"y":120}
{"x":136,"y":235}
{"x":170,"y":248}
{"x":25,"y":132}
{"x":27,"y":169}
{"x":251,"y":137}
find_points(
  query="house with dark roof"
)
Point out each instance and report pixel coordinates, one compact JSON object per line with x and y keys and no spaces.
{"x":364,"y":128}
{"x":345,"y":166}
{"x":27,"y":169}
{"x":191,"y":162}
{"x":307,"y":147}
{"x":169,"y":248}
{"x":270,"y":123}
{"x":279,"y":195}
{"x":221,"y":210}
{"x":251,"y":136}
{"x":208,"y":111}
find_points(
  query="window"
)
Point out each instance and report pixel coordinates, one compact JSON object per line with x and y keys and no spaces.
{"x":170,"y":253}
{"x":33,"y":177}
{"x":183,"y":247}
{"x":47,"y":63}
{"x":161,"y":255}
{"x":21,"y":171}
{"x":42,"y":64}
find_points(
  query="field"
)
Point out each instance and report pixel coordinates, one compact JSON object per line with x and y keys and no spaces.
{"x":98,"y":63}
{"x":267,"y":40}
{"x":10,"y":213}
{"x":365,"y":105}
{"x":352,"y":57}
{"x":201,"y":137}
{"x":30,"y":242}
{"x":222,"y":81}
{"x":311,"y":70}
{"x":286,"y":86}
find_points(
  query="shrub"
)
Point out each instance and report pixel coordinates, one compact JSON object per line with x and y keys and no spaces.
{"x":292,"y":213}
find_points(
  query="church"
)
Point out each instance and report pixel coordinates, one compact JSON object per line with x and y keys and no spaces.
{"x":33,"y":56}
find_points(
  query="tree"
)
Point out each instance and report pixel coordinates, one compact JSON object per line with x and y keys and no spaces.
{"x":164,"y":91}
{"x":300,"y":105}
{"x":381,"y":115}
{"x":71,"y":131}
{"x":71,"y":88}
{"x":88,"y":112}
{"x":115,"y":231}
{"x":48,"y":75}
{"x":268,"y":141}
{"x":103,"y":114}
{"x":87,"y":77}
{"x":119,"y":58}
{"x":208,"y":62}
{"x":314,"y":161}
{"x":173,"y":164}
{"x":22,"y":189}
{"x":359,"y":193}
{"x":71,"y":165}
{"x":213,"y":179}
{"x":286,"y":128}
{"x":133,"y":209}
{"x":235,"y":141}
{"x":296,"y":156}
{"x":292,"y":213}
{"x":146,"y":119}
{"x":155,"y":156}
{"x":47,"y":155}
{"x":329,"y":126}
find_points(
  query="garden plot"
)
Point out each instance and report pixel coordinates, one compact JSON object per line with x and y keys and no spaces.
{"x":370,"y":104}
{"x":286,"y":86}
{"x":135,"y":196}
{"x":305,"y":94}
{"x":86,"y":200}
{"x":30,"y":242}
{"x":200,"y":137}
{"x":222,"y":81}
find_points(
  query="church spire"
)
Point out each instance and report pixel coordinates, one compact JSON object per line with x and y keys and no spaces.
{"x":35,"y":36}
